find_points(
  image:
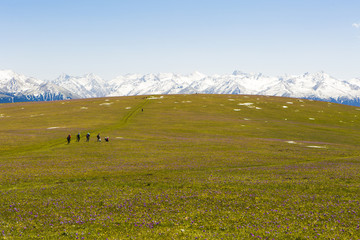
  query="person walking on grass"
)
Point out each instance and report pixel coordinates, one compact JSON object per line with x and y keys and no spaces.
{"x":68,"y":138}
{"x":78,"y":137}
{"x":98,"y":138}
{"x":87,"y":136}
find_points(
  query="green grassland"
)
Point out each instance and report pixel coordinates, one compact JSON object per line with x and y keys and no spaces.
{"x":186,"y":167}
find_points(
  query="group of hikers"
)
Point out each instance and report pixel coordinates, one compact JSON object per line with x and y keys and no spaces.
{"x":78,"y":136}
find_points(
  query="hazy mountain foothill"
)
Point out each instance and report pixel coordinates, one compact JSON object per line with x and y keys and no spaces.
{"x":16,"y":87}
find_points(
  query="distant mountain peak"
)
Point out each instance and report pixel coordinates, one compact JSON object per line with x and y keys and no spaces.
{"x":64,"y":76}
{"x":237,"y":73}
{"x":197,"y":75}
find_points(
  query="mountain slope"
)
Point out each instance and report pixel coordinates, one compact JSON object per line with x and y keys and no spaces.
{"x":87,"y":86}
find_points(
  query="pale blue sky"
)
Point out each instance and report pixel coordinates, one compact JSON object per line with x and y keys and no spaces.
{"x":45,"y":38}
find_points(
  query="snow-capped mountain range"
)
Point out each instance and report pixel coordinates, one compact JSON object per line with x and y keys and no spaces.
{"x":15,"y":87}
{"x":19,"y":88}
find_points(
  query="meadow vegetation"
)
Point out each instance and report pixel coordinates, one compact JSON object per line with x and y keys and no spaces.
{"x":180,"y":167}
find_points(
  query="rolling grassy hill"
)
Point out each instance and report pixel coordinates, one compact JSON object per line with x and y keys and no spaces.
{"x":180,"y":166}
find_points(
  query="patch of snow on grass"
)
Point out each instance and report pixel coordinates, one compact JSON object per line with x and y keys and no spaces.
{"x":53,"y":128}
{"x":312,"y":119}
{"x":284,"y":106}
{"x":237,"y":110}
{"x":84,"y":108}
{"x":245,"y":104}
{"x":316,"y":146}
{"x":258,"y":108}
{"x":106,"y":104}
{"x":289,"y":102}
{"x":246,"y":119}
{"x":291,"y":142}
{"x":128,"y":108}
{"x":153,"y":98}
{"x":230,"y":99}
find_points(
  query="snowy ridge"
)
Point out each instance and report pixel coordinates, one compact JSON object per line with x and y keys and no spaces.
{"x":318,"y":86}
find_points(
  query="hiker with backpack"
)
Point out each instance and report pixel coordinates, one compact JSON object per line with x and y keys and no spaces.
{"x":68,"y":138}
{"x":78,"y":137}
{"x":87,"y":136}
